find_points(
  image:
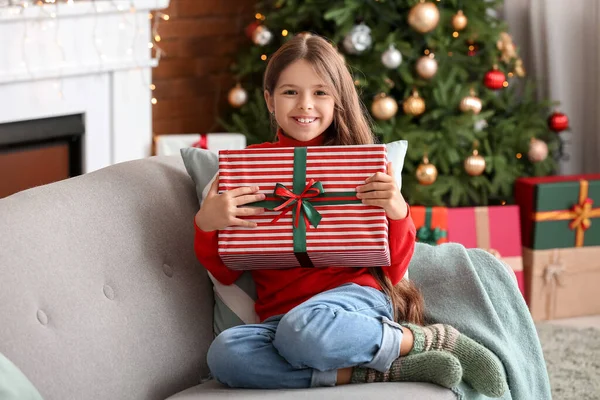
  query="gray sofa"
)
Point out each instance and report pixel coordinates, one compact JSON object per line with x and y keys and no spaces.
{"x":102,"y":298}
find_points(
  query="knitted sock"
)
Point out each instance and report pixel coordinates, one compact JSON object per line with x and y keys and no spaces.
{"x":481,"y":368}
{"x":436,"y":367}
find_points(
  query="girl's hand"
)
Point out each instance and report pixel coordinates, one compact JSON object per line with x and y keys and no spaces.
{"x":219,"y":211}
{"x":381,"y":190}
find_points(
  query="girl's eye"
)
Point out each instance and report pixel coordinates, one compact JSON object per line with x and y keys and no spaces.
{"x":289,"y":92}
{"x":320,"y":93}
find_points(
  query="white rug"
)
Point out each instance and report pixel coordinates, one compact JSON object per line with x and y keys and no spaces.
{"x":573,"y":361}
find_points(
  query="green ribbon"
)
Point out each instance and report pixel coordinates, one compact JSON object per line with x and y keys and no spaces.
{"x":307,"y":211}
{"x":429,"y":235}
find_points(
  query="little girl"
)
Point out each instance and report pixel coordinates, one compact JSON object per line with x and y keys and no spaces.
{"x":332,"y":326}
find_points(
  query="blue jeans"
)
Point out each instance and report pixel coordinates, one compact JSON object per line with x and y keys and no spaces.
{"x":348,"y":326}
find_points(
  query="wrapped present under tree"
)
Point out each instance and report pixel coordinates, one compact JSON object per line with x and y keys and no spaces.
{"x":562,"y":283}
{"x":431,"y":224}
{"x":495,"y":229}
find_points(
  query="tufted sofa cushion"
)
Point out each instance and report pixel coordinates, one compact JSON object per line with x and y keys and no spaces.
{"x":389,"y":390}
{"x":101,"y":296}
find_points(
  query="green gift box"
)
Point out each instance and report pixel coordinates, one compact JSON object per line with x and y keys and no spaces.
{"x":559,"y":211}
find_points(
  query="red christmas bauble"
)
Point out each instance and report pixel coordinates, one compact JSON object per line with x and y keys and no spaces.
{"x":473,"y":48}
{"x":494,"y":79}
{"x":558,"y":122}
{"x":251,"y":28}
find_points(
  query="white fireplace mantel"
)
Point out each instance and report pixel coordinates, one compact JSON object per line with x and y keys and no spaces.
{"x":84,"y":57}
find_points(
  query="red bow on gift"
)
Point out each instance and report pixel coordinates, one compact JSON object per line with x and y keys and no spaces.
{"x":311,"y":215}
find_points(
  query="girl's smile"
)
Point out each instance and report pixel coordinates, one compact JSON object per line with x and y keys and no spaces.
{"x":304,"y":120}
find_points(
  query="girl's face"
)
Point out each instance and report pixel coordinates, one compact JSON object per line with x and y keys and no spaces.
{"x":302,"y":102}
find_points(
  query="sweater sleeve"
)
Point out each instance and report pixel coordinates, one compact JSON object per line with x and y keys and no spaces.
{"x":402,"y":235}
{"x":207,"y":252}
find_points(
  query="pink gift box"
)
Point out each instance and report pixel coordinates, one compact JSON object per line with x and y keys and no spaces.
{"x":349,"y":233}
{"x":496,"y":229}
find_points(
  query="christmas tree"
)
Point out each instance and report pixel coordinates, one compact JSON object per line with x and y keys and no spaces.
{"x":444,"y":75}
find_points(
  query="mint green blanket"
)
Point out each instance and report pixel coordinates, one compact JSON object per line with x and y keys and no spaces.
{"x":477,"y":294}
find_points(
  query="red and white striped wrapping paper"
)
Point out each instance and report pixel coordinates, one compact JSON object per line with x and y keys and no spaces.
{"x":350,"y":235}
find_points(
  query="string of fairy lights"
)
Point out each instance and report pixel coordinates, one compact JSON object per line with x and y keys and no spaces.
{"x":49,"y":10}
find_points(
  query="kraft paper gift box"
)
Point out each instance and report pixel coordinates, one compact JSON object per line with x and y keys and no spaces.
{"x":562,"y":283}
{"x":314,"y":218}
{"x":559,"y":211}
{"x":495,"y":229}
{"x":431,"y":224}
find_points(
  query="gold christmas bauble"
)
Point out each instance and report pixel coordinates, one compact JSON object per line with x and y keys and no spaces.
{"x":237,"y":96}
{"x":384,"y":107}
{"x":426,"y":172}
{"x":475,"y":164}
{"x":427,"y":66}
{"x":459,"y":21}
{"x":414,"y":105}
{"x":509,"y":52}
{"x":519,"y":69}
{"x":424,"y":17}
{"x":506,"y":45}
{"x":538,"y":150}
{"x":471,"y":103}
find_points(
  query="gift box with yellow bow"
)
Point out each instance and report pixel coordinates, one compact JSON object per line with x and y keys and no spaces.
{"x":313,"y":217}
{"x":559,"y":211}
{"x":495,"y":229}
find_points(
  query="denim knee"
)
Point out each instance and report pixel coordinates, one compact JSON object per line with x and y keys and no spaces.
{"x":300,"y":339}
{"x":225,"y":364}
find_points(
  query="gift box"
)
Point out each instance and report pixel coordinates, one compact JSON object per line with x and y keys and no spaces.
{"x":495,"y":229}
{"x":431,"y":224}
{"x":167,"y":145}
{"x":562,"y":283}
{"x":314,"y":218}
{"x":559,"y":211}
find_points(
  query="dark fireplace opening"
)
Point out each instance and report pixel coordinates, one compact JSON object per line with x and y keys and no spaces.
{"x":40,"y":151}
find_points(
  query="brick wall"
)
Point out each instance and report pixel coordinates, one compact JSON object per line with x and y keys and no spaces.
{"x":201,"y":39}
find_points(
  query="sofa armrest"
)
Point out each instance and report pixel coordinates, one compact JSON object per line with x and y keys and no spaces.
{"x":101,"y":295}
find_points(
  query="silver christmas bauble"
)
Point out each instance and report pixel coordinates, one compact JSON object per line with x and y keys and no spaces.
{"x":358,"y":39}
{"x":391,"y":58}
{"x":262,"y":36}
{"x":480,"y":125}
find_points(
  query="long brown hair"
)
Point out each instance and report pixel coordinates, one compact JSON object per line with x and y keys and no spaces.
{"x":350,"y":126}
